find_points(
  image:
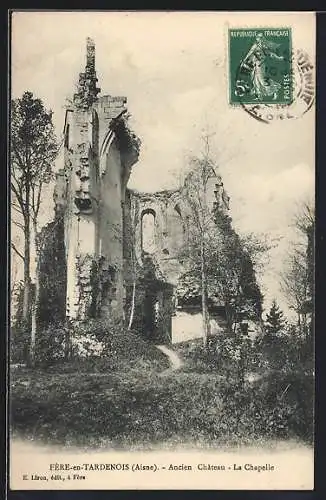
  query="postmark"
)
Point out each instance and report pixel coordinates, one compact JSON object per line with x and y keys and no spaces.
{"x":260,"y":66}
{"x":303,"y":81}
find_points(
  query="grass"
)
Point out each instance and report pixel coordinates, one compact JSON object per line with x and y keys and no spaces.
{"x":117,"y":409}
{"x":129,"y":400}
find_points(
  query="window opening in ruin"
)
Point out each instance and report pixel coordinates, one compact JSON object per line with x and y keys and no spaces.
{"x":178,"y":230}
{"x":148,"y":231}
{"x":67,"y":137}
{"x":95,"y":142}
{"x":95,"y":133}
{"x":177,"y":209}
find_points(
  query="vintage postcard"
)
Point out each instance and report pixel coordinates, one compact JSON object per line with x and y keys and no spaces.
{"x":162,"y":173}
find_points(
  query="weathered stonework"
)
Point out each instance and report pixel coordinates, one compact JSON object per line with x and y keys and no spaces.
{"x":167,"y":253}
{"x":110,"y":264}
{"x":99,"y":152}
{"x":87,"y":92}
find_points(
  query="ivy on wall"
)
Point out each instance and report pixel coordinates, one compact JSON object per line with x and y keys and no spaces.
{"x":52,"y":273}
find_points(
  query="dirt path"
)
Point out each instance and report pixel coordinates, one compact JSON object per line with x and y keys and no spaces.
{"x":174,"y":359}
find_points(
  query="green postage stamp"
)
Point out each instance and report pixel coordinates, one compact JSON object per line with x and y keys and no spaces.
{"x":260,"y":66}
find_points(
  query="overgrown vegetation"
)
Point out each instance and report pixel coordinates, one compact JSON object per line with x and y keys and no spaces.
{"x":133,"y":408}
{"x":126,"y":397}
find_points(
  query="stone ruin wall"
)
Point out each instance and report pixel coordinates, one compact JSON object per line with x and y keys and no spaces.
{"x":171,"y":221}
{"x":99,"y":151}
{"x":103,"y":220}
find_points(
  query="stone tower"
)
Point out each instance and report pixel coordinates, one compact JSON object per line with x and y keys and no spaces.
{"x":99,"y":152}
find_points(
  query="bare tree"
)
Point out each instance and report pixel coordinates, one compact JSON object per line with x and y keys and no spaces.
{"x":297,"y":281}
{"x":195,"y":194}
{"x":224,"y":263}
{"x":304,"y":219}
{"x":132,"y":244}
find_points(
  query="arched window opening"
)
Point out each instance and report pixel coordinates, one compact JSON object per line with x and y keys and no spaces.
{"x":148,"y":231}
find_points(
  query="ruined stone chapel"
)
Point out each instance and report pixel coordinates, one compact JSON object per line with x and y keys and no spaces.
{"x":111,"y":245}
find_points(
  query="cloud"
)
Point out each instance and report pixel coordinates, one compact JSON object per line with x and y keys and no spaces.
{"x":270,"y":198}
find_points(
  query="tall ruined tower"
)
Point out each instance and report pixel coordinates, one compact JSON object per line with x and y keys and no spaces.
{"x":99,"y":151}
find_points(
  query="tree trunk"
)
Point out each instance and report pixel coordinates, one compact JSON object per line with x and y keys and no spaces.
{"x":26,"y":313}
{"x":299,"y":323}
{"x":67,"y":341}
{"x":134,"y":266}
{"x":241,"y":374}
{"x":33,"y":335}
{"x":132,"y":308}
{"x":304,"y":325}
{"x":27,"y":278}
{"x":206,"y":325}
{"x":35,"y":302}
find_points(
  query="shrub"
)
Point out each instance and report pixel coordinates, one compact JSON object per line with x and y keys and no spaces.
{"x":75,"y":339}
{"x":51,"y":344}
{"x":89,"y":338}
{"x":286,"y":353}
{"x":277,"y":406}
{"x":96,"y":346}
{"x":19,"y":343}
{"x":226,"y":355}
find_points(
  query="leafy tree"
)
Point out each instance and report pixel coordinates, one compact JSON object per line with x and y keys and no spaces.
{"x":297,"y":281}
{"x":275,"y":321}
{"x":233,"y":271}
{"x":33,"y":148}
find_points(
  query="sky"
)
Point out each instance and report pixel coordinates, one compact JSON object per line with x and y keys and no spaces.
{"x":173,"y":68}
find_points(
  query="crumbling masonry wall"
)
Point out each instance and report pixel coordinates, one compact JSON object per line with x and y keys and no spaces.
{"x":99,"y":152}
{"x":162,"y":246}
{"x":104,"y":249}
